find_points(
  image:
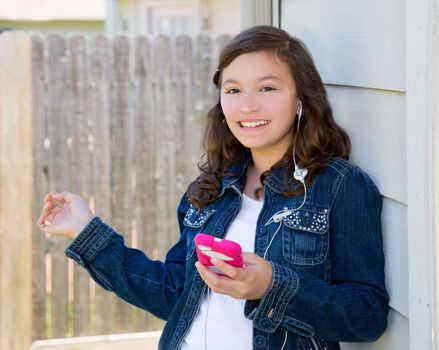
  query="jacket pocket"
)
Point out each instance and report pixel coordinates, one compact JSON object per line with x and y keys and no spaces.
{"x":194,"y":221}
{"x":305,"y":236}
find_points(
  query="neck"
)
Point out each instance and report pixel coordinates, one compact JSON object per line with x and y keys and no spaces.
{"x":263,"y":161}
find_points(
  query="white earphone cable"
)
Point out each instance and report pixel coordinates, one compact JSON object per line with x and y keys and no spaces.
{"x":285,"y":341}
{"x":205,"y":323}
{"x":280,"y":216}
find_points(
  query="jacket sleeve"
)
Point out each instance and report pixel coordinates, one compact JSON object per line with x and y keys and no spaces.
{"x":353,"y":307}
{"x":129,"y":272}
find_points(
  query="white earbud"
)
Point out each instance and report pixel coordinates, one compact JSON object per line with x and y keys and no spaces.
{"x":300,"y":109}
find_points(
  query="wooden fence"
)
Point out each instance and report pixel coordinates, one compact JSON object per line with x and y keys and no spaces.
{"x":116,"y":121}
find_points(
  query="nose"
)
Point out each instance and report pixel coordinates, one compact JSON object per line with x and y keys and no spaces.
{"x":248,"y":105}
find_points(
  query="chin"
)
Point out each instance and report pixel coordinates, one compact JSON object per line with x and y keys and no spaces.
{"x":251,"y":145}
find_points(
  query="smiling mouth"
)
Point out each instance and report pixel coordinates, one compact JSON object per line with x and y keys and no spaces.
{"x":253,"y":124}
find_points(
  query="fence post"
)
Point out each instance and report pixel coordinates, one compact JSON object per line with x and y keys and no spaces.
{"x":16,"y":191}
{"x":256,"y":12}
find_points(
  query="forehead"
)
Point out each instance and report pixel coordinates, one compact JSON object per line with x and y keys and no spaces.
{"x":257,"y":64}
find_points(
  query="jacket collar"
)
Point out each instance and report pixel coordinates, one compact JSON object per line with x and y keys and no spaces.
{"x":275,"y":181}
{"x":235,"y":177}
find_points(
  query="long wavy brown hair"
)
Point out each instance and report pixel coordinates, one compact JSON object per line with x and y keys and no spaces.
{"x":318,"y":140}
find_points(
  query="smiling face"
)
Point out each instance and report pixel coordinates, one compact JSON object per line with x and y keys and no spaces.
{"x":259,"y":102}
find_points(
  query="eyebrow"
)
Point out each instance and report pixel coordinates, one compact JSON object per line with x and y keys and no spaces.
{"x":266,"y":77}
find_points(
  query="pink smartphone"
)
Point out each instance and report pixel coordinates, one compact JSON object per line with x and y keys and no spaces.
{"x":208,"y":247}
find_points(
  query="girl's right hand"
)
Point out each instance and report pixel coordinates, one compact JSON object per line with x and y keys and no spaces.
{"x":64,"y":214}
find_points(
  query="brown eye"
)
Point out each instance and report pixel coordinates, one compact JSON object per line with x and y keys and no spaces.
{"x":268,"y":88}
{"x":232,"y":91}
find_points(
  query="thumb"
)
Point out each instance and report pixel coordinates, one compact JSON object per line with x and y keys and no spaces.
{"x":45,"y":225}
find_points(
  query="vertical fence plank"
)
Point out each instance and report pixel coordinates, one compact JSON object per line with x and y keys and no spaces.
{"x":39,"y":243}
{"x":100,"y":75}
{"x":144,"y":195}
{"x":16,"y":191}
{"x":59,"y":177}
{"x":183,"y":114}
{"x":80,"y":165}
{"x":164,"y":138}
{"x":202,"y":96}
{"x":121,"y":157}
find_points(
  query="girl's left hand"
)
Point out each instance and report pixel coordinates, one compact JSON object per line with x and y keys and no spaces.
{"x":250,"y":282}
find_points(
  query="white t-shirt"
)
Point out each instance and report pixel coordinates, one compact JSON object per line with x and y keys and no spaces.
{"x":226,"y":327}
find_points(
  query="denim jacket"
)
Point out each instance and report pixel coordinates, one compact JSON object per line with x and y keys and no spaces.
{"x":327,"y":261}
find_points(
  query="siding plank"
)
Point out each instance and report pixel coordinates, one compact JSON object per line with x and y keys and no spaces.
{"x":423,"y":163}
{"x":396,"y":337}
{"x":394,"y":224}
{"x":375,"y":121}
{"x":357,"y":43}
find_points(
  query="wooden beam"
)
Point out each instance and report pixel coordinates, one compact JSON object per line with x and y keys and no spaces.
{"x":132,"y":341}
{"x":423,"y":170}
{"x":276,"y":13}
{"x":255,"y":12}
{"x":16,"y":191}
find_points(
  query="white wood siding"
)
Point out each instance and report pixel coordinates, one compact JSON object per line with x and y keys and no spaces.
{"x":359,"y":49}
{"x":357,"y":43}
{"x":423,"y":171}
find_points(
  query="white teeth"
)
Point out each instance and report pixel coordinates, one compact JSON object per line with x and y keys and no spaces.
{"x":254,"y":124}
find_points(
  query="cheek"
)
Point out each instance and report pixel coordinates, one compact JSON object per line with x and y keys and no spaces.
{"x":285,"y":110}
{"x":228,"y":106}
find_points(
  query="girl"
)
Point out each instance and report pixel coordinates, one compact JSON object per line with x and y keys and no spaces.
{"x":276,"y":179}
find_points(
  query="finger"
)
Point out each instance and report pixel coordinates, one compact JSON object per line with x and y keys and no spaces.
{"x":40,"y":220}
{"x":47,"y":208}
{"x":51,"y":207}
{"x":51,"y":217}
{"x":216,"y":282}
{"x":48,"y":196}
{"x":251,"y":258}
{"x":229,"y":270}
{"x":211,"y":278}
{"x":64,"y":195}
{"x":204,"y":272}
{"x":44,"y":224}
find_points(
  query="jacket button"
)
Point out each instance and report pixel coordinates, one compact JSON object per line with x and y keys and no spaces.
{"x":182,"y":324}
{"x":265,"y":323}
{"x":198,"y":281}
{"x":307,"y":219}
{"x":219,"y":230}
{"x":260,"y":341}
